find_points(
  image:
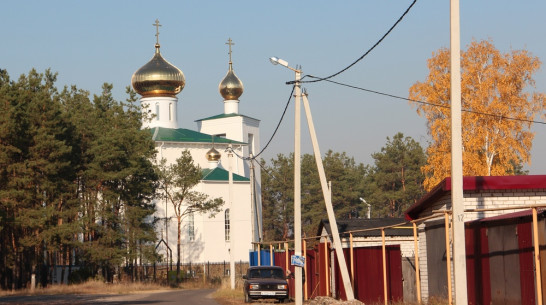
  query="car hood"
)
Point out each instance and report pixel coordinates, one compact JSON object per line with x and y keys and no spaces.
{"x":266,"y":281}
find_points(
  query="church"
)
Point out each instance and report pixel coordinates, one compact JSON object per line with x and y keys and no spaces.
{"x":223,"y":142}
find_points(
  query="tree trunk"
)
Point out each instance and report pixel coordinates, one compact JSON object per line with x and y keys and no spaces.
{"x":179,"y":223}
{"x":69,"y":262}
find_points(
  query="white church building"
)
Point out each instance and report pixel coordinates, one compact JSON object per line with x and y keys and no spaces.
{"x":204,"y":238}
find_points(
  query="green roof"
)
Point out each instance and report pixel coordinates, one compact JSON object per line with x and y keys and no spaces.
{"x":185,"y":135}
{"x":222,"y":116}
{"x":220,"y":174}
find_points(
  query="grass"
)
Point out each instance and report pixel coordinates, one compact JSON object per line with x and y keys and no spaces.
{"x":227,"y":296}
{"x":89,"y":287}
{"x":223,"y":294}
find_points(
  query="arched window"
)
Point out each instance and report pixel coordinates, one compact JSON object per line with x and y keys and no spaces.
{"x":170,"y":111}
{"x":191,"y":227}
{"x":226,"y":225}
{"x":157,"y":111}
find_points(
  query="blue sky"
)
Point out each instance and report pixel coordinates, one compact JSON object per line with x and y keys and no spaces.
{"x":92,"y":42}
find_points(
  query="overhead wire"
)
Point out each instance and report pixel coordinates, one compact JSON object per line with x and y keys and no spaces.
{"x":326,"y":78}
{"x":274,"y":132}
{"x":318,"y":79}
{"x":436,"y":105}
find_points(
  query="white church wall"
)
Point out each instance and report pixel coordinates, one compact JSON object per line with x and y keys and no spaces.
{"x":164,"y":110}
{"x":172,"y":150}
{"x":236,"y":128}
{"x":209,"y":243}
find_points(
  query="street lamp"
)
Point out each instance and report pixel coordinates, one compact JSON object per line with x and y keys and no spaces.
{"x":297,"y":177}
{"x":276,"y":61}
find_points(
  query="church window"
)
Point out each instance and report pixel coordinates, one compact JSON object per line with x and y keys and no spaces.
{"x":250,"y":143}
{"x":157,"y":112}
{"x":170,"y":111}
{"x":226,"y":225}
{"x":191,"y":227}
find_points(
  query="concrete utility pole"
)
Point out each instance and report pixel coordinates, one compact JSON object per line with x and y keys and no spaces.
{"x":457,"y":199}
{"x":297,"y":190}
{"x":231,"y":227}
{"x":326,"y":191}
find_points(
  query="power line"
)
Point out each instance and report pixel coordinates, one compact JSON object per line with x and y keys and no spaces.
{"x":318,"y":79}
{"x":274,"y":132}
{"x":432,"y":104}
{"x":326,"y":78}
{"x":278,"y":124}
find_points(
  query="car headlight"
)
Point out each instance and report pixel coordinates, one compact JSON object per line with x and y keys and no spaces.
{"x":282,"y":287}
{"x":254,"y":286}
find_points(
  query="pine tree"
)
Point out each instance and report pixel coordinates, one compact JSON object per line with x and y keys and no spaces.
{"x":278,"y":192}
{"x":395,"y":181}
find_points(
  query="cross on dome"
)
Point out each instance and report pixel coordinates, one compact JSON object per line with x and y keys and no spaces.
{"x":230,"y":43}
{"x":157,"y":25}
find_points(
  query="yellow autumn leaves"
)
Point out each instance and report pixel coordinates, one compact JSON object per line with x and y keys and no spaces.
{"x":498,"y":106}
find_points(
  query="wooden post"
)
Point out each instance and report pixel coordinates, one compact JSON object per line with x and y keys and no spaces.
{"x":352,"y":260}
{"x":286,"y":253}
{"x":416,"y":251}
{"x":271,"y":254}
{"x":536,"y":245}
{"x":385,"y":292}
{"x":448,"y":260}
{"x":327,"y":282}
{"x":304,"y":249}
{"x":259,"y":250}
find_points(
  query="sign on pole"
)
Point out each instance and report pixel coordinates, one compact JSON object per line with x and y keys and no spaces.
{"x":297,"y":260}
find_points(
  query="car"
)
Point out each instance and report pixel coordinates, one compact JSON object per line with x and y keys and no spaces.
{"x":265,"y":282}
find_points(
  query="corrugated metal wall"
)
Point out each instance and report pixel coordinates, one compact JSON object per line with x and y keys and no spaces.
{"x":368,"y":278}
{"x":500,"y":262}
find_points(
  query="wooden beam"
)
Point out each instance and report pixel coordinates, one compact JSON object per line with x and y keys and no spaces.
{"x":352,"y":261}
{"x":538,"y":270}
{"x":448,"y":260}
{"x":305,"y":284}
{"x":383,"y":250}
{"x":416,"y":251}
{"x":271,"y":254}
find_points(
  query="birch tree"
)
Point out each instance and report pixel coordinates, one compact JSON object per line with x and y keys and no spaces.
{"x":495,"y":86}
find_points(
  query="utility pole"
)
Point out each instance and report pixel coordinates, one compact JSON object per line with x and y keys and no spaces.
{"x":457,"y":199}
{"x":297,"y":189}
{"x":327,"y":193}
{"x":231,"y":227}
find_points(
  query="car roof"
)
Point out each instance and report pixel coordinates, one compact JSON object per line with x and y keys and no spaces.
{"x":264,"y":267}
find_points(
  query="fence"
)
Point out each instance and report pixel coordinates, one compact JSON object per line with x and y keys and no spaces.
{"x":320,"y":271}
{"x":209,"y":272}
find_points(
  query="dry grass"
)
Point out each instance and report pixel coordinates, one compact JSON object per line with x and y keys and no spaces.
{"x":90,"y":287}
{"x":226,"y":296}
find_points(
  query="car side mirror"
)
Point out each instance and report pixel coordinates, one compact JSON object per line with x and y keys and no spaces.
{"x":244,"y":277}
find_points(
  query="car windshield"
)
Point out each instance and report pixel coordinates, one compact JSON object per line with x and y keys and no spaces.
{"x":266,"y":273}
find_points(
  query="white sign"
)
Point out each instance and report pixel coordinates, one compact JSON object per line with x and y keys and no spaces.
{"x":297,"y":260}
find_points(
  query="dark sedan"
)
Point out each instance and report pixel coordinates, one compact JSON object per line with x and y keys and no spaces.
{"x":265,"y":282}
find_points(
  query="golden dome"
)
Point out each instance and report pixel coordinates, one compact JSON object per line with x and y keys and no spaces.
{"x":213,"y":155}
{"x":158,"y":78}
{"x":231,"y":87}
